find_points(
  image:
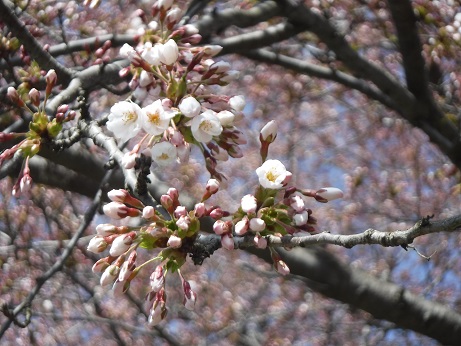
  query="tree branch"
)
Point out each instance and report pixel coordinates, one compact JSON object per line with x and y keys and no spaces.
{"x":372,"y":236}
{"x":67,"y":251}
{"x":299,"y":66}
{"x":35,"y":49}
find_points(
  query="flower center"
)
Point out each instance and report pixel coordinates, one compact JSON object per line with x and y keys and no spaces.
{"x":164,"y":156}
{"x":154,"y":118}
{"x":271,"y":176}
{"x":206,"y":125}
{"x":129,"y":117}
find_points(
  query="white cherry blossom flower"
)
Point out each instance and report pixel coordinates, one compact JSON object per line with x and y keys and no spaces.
{"x":164,"y":153}
{"x":156,"y":118}
{"x":123,"y":120}
{"x":150,"y":53}
{"x":273,"y":174}
{"x":206,"y":125}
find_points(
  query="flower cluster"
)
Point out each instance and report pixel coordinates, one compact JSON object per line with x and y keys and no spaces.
{"x":268,"y":211}
{"x":42,"y":128}
{"x":176,"y":107}
{"x":176,"y":82}
{"x":173,"y":235}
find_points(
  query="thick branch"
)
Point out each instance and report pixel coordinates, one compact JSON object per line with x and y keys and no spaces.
{"x":299,"y":66}
{"x":383,"y":299}
{"x":410,"y":47}
{"x":35,"y":49}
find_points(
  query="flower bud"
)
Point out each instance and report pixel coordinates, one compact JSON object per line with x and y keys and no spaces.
{"x":34,"y":96}
{"x":248,"y":204}
{"x":241,"y":227}
{"x":221,"y":227}
{"x":257,"y":224}
{"x":260,"y":242}
{"x":227,"y":241}
{"x":97,"y":244}
{"x":328,"y":194}
{"x":200,"y":209}
{"x":174,"y":242}
{"x":269,"y":132}
{"x":237,"y":103}
{"x":189,"y":296}
{"x":157,"y":279}
{"x":148,"y":212}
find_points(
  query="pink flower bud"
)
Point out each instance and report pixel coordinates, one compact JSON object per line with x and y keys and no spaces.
{"x":148,"y":212}
{"x":200,"y":209}
{"x":227,"y":241}
{"x":189,"y":296}
{"x":301,"y":218}
{"x":100,"y":265}
{"x":221,"y":227}
{"x":51,"y":78}
{"x":117,"y":210}
{"x":34,"y":96}
{"x":180,"y":211}
{"x":183,"y":222}
{"x":282,"y":267}
{"x":217,"y":213}
{"x":260,"y":242}
{"x":14,"y":96}
{"x":157,"y":279}
{"x":212,"y":50}
{"x":212,"y":186}
{"x":167,"y":203}
{"x":121,"y":244}
{"x":118,"y":195}
{"x":174,"y":242}
{"x":297,"y":203}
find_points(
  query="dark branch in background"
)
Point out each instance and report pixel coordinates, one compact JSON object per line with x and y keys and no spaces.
{"x":410,"y":47}
{"x":258,"y":39}
{"x":219,"y":21}
{"x":317,"y":71}
{"x":35,"y":49}
{"x":384,"y":300}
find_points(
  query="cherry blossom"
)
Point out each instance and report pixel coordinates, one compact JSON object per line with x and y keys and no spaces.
{"x":164,"y":153}
{"x":156,"y":118}
{"x":206,"y":125}
{"x":123,"y":120}
{"x":273,"y":174}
